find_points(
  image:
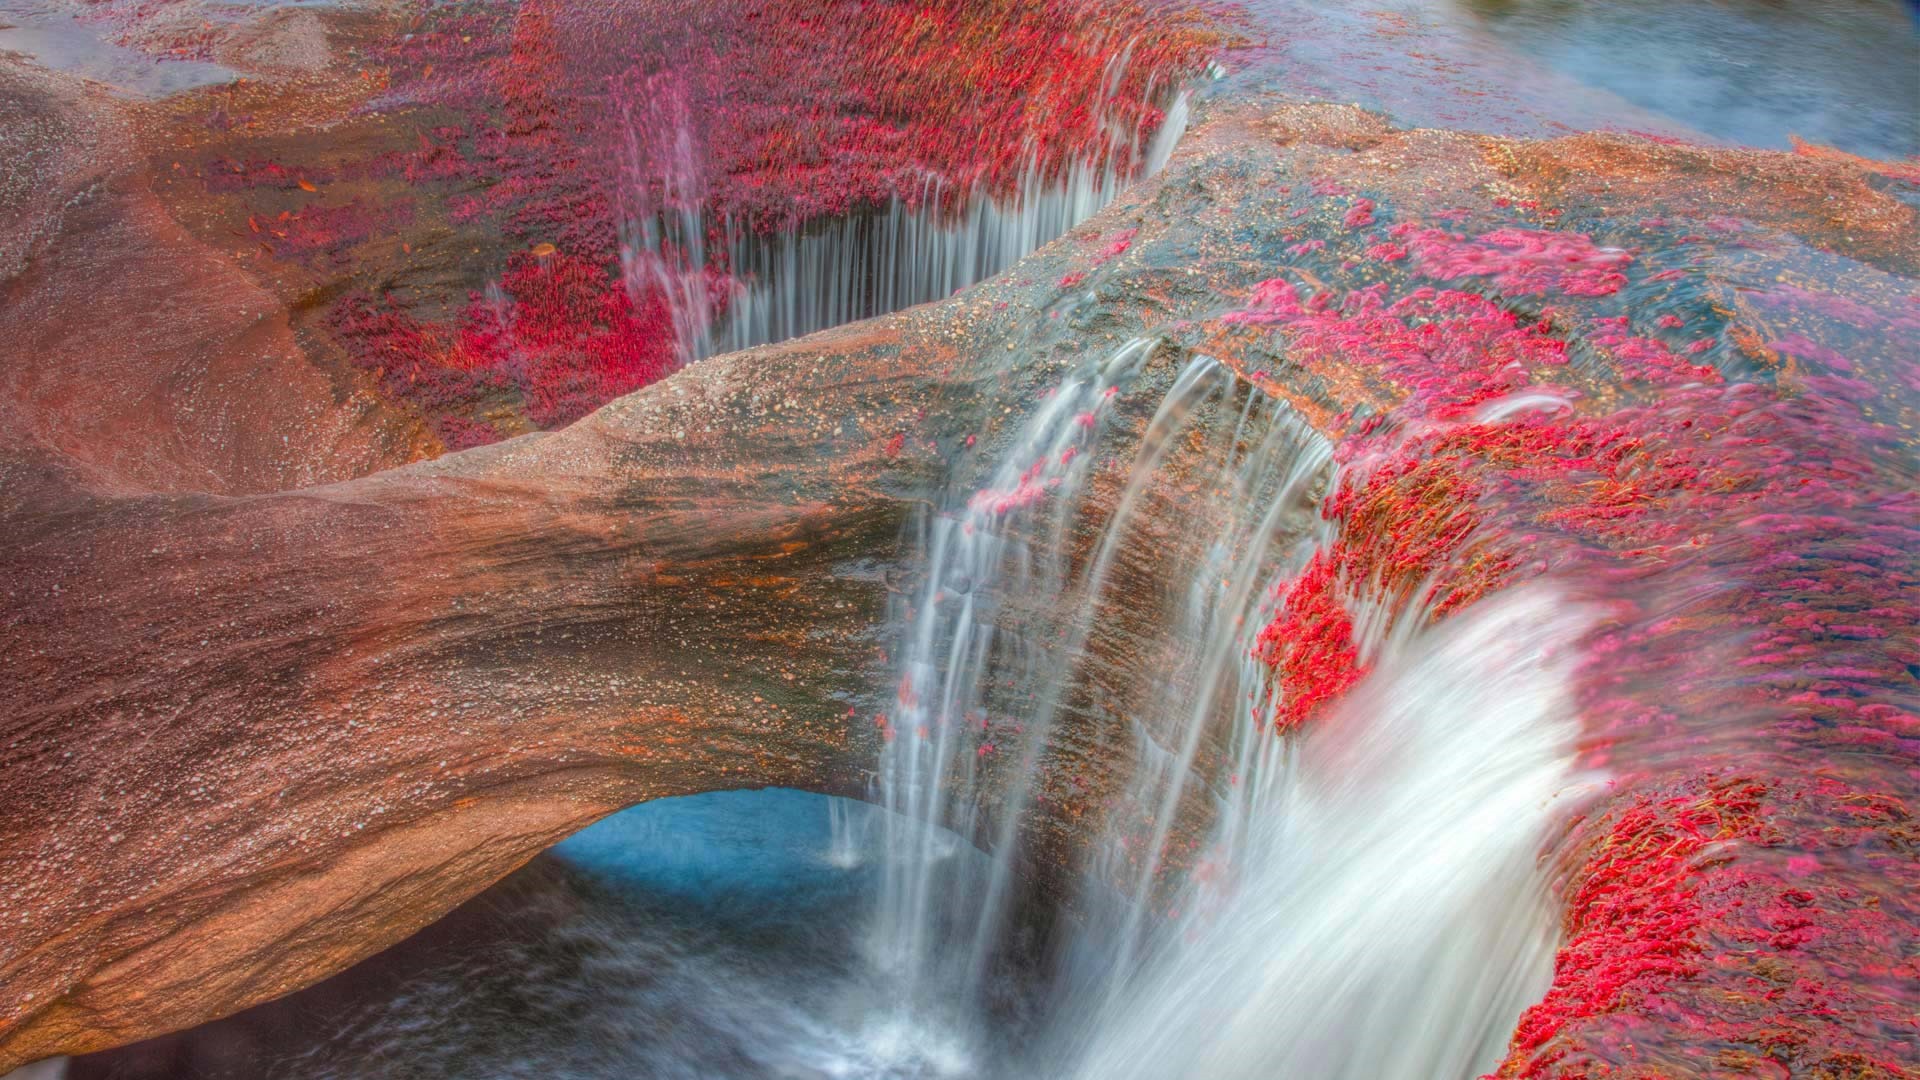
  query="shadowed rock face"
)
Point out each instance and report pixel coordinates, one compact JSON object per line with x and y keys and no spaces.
{"x":253,"y":735}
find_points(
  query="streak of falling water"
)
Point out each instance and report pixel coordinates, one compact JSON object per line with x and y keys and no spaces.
{"x":1367,"y":902}
{"x":966,"y":663}
{"x":664,"y":243}
{"x":843,"y":835}
{"x":770,"y":288}
{"x":865,"y":265}
{"x":934,"y":749}
{"x":1384,"y":916}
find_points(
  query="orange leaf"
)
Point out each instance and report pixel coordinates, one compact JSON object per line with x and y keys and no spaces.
{"x":306,"y":186}
{"x":544,"y":251}
{"x":252,"y":224}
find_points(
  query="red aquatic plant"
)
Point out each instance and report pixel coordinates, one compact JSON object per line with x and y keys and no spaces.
{"x":1309,"y":644}
{"x":1524,"y":261}
{"x":569,"y":126}
{"x":326,"y":235}
{"x":556,"y":340}
{"x":1759,"y":542}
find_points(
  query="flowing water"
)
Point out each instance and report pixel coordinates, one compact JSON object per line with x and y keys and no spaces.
{"x":1385,"y":918}
{"x":55,"y":35}
{"x":1362,"y":901}
{"x":910,"y":253}
{"x":1359,"y":900}
{"x":1844,"y":73}
{"x":1365,"y":903}
{"x":760,"y":287}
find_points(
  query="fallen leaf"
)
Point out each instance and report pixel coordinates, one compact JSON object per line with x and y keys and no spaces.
{"x":306,"y":186}
{"x":544,"y":251}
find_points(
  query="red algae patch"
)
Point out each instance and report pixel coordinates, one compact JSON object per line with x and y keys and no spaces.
{"x":1737,"y":901}
{"x":1779,"y":950}
{"x":559,"y":338}
{"x":1527,"y":261}
{"x":570,"y":130}
{"x":610,"y":138}
{"x":1309,"y":645}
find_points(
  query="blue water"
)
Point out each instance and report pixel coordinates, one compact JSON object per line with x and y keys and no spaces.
{"x":1845,"y":73}
{"x":727,"y":848}
{"x":717,"y":935}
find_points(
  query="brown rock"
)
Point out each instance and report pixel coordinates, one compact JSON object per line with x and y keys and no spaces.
{"x":250,"y":738}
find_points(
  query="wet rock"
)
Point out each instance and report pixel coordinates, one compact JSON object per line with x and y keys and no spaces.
{"x":252,"y":735}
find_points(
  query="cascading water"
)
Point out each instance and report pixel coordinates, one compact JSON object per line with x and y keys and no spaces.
{"x":665,"y":239}
{"x":1358,"y":898}
{"x":1384,"y":917}
{"x":1364,"y":901}
{"x":864,"y":265}
{"x":924,"y":245}
{"x":942,"y":728}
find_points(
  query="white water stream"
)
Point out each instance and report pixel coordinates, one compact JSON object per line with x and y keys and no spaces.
{"x":1359,"y":901}
{"x":1363,"y":902}
{"x":864,"y":265}
{"x":1385,"y":917}
{"x":1367,"y":903}
{"x":773,"y":287}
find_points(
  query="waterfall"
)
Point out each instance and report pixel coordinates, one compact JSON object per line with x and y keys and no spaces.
{"x":1386,"y":919}
{"x":941,"y":729}
{"x":1365,"y":901}
{"x":982,"y":681}
{"x":1356,"y":900}
{"x":844,"y":839}
{"x":664,"y":234}
{"x":835,"y":272}
{"x":924,"y":245}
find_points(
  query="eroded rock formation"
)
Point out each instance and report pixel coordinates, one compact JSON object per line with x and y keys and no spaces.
{"x":253,"y":735}
{"x":486,"y":656}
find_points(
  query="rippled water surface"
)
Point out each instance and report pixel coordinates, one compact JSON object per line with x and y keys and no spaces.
{"x":56,"y":35}
{"x":1841,"y":72}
